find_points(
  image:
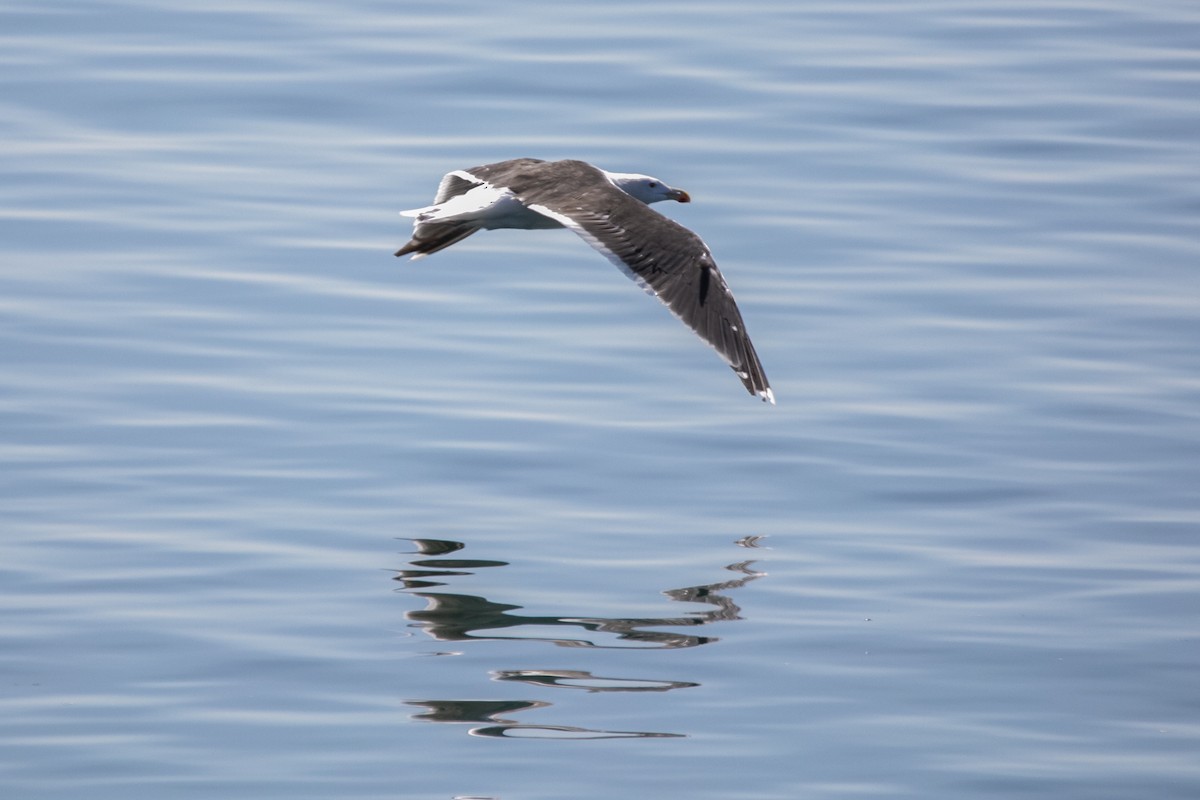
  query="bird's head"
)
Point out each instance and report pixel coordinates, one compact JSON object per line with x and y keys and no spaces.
{"x":646,"y":188}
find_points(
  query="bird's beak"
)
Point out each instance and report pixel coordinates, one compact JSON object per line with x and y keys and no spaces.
{"x":680,"y":195}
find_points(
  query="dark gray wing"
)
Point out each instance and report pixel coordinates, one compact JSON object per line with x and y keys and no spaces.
{"x":665,"y":258}
{"x":462,"y":181}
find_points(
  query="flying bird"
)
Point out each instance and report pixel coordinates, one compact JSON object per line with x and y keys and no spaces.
{"x":611,"y":212}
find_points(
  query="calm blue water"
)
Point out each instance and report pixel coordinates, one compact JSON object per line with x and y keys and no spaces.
{"x":286,"y":517}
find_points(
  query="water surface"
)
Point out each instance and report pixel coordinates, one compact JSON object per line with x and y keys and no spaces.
{"x":287,"y":517}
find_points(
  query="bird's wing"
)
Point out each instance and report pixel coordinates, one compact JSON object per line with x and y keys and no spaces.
{"x":461,"y":181}
{"x":663,"y":257}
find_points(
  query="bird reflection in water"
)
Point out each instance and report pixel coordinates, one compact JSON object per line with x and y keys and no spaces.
{"x":453,"y":617}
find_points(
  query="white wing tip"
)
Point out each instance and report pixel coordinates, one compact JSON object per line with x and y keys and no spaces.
{"x":767,"y":395}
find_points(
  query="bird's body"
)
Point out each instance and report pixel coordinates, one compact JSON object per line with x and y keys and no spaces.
{"x":610,"y":212}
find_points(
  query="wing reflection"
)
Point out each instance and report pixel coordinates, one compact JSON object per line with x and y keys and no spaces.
{"x":436,"y":547}
{"x":489,"y":711}
{"x":579,"y":679}
{"x":462,"y":617}
{"x":472,"y":710}
{"x":564,"y":732}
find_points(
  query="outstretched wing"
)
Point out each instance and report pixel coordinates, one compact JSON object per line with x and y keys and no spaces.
{"x":461,"y":181}
{"x":662,"y":256}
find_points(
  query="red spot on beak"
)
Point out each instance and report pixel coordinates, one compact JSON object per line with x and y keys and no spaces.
{"x":681,"y":196}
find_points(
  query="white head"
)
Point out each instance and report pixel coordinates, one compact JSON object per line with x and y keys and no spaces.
{"x":646,"y":188}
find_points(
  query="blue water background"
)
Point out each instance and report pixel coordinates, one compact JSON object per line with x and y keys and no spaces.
{"x":285,"y":517}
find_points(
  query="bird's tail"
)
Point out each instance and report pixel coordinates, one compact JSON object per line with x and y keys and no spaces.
{"x":429,"y":237}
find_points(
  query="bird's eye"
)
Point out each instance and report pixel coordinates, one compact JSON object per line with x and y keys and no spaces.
{"x":653,"y":185}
